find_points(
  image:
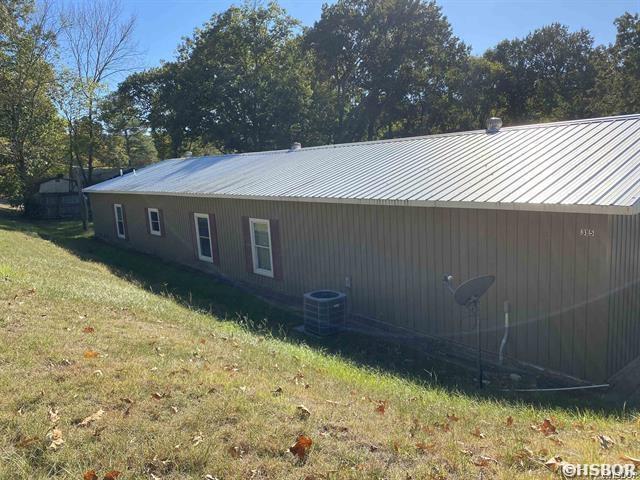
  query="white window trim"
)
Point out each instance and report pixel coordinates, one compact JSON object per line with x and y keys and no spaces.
{"x":254,"y":248}
{"x":123,"y":235}
{"x":158,"y":232}
{"x":202,"y":257}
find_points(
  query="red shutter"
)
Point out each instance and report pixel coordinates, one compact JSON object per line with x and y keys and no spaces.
{"x":124,"y":221}
{"x":276,"y":248}
{"x":194,"y":235}
{"x":146,"y":220}
{"x":248,"y":251}
{"x":161,"y":220}
{"x":213,"y":234}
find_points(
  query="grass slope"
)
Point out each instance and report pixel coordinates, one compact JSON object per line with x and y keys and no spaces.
{"x":186,"y":393}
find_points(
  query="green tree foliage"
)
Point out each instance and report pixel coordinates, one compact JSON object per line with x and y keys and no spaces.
{"x":252,"y":79}
{"x":617,"y":88}
{"x":130,"y":145}
{"x":391,"y":67}
{"x":31,"y":133}
{"x":246,"y":80}
{"x":548,"y":74}
{"x":165,"y":101}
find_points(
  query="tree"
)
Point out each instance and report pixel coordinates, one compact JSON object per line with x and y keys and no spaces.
{"x":121,"y":121}
{"x":100,"y":45}
{"x":244,"y":80}
{"x":167,"y":102}
{"x":69,"y":100}
{"x":617,"y":89}
{"x":390,"y":64}
{"x":548,"y":74}
{"x":30,"y":130}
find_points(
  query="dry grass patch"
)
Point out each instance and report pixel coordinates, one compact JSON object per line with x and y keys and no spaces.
{"x":100,"y":375}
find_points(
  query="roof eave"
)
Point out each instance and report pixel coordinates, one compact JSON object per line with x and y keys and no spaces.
{"x":528,"y":207}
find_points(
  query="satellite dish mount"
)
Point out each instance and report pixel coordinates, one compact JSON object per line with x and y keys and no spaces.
{"x":468,"y":295}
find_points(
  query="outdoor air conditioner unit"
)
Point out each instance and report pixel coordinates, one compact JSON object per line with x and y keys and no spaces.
{"x":324,"y":312}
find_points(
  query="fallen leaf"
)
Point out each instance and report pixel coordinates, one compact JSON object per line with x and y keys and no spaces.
{"x":478,"y":433}
{"x":556,"y":440}
{"x":53,"y":416}
{"x":627,"y":458}
{"x":91,"y":354}
{"x":606,"y":442}
{"x":424,"y":447}
{"x":88,"y":329}
{"x":483,"y":461}
{"x":546,"y":427}
{"x":303,"y":412}
{"x":509,"y":421}
{"x":90,"y":475}
{"x":554,"y":463}
{"x":237,"y":451}
{"x":452,"y":417}
{"x":301,"y":447}
{"x":157,"y":395}
{"x":197,"y":439}
{"x":27,"y":442}
{"x":381,"y":407}
{"x":91,"y":418}
{"x":277,"y":391}
{"x":55,"y":437}
{"x":112,"y":475}
{"x":174,"y":409}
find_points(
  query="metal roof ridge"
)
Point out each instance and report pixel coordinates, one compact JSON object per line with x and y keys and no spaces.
{"x":433,"y":135}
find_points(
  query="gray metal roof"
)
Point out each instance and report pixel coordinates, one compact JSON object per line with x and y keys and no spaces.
{"x":577,"y":166}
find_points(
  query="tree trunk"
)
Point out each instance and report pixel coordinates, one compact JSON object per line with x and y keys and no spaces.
{"x":90,"y":147}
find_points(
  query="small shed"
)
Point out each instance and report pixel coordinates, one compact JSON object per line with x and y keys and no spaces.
{"x":56,"y":197}
{"x":550,"y":209}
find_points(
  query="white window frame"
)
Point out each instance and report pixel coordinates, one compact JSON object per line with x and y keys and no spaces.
{"x":254,"y":247}
{"x":158,"y":232}
{"x":202,"y":257}
{"x":122,"y":235}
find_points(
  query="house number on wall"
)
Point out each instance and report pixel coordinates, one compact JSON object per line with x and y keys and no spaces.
{"x":587,"y":232}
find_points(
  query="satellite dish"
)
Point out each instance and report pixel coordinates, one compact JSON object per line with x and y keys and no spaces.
{"x":468,"y":295}
{"x":471,"y":290}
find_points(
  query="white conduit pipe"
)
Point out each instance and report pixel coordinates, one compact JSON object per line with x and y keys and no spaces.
{"x":503,"y":343}
{"x":558,"y":389}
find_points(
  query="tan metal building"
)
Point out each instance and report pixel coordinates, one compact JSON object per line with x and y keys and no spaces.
{"x":551,"y":210}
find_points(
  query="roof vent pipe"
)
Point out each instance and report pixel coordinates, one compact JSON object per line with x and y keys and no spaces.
{"x":494,"y":124}
{"x":188,"y":154}
{"x":295,"y":146}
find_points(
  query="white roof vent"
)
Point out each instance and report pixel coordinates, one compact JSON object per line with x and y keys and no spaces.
{"x":188,"y":154}
{"x":295,"y":146}
{"x":494,"y":124}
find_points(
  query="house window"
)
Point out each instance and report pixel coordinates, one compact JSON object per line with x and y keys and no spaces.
{"x":261,"y":247}
{"x":154,"y":222}
{"x":203,"y":234}
{"x":119,"y":217}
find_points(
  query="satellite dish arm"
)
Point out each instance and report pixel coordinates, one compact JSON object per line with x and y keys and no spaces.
{"x":447,"y":280}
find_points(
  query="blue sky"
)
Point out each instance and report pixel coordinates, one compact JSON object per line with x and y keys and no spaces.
{"x":479,"y":23}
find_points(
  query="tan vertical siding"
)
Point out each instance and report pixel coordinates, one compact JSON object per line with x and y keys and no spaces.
{"x":556,"y":281}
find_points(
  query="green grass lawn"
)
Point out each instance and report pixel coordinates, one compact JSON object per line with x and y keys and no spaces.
{"x":112,"y":362}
